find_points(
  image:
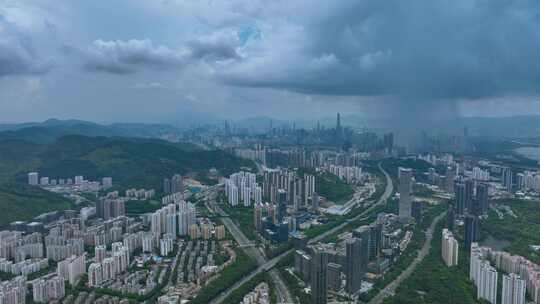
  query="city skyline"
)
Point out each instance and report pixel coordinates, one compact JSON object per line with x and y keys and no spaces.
{"x":269,"y":152}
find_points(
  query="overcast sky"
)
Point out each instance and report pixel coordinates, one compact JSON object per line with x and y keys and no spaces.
{"x":171,"y":60}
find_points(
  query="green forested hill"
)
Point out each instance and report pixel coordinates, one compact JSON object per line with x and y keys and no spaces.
{"x":130,"y":162}
{"x":52,"y":129}
{"x":22,"y":202}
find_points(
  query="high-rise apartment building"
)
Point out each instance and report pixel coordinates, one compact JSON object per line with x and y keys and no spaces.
{"x":482,"y":274}
{"x":33,"y":178}
{"x":353,"y":266}
{"x":449,"y":178}
{"x":318,"y":276}
{"x":482,"y":199}
{"x":450,"y":248}
{"x":513,"y":289}
{"x":405,"y":199}
{"x":507,"y":179}
{"x":471,"y":230}
{"x":315,"y":201}
{"x":72,"y":268}
{"x":487,"y":283}
{"x":106,"y":182}
{"x":257,"y":216}
{"x":333,"y":276}
{"x":460,"y":197}
{"x":469,"y":194}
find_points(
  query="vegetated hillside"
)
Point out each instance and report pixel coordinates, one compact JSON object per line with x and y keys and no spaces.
{"x":23,"y":202}
{"x":130,"y":162}
{"x":52,"y":129}
{"x":515,"y":234}
{"x":330,"y":186}
{"x":17,"y":156}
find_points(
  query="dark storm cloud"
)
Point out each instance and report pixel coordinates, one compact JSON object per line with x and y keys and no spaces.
{"x":280,"y":58}
{"x":434,"y":49}
{"x":212,"y":50}
{"x":17,"y":55}
{"x":124,"y":57}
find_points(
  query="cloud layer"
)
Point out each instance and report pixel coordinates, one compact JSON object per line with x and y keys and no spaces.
{"x":123,"y":57}
{"x":411,"y":49}
{"x":243,"y":57}
{"x":17,"y":54}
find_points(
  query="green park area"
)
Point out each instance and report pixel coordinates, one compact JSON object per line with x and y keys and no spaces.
{"x":515,"y":233}
{"x":412,"y":250}
{"x":330,"y":186}
{"x":241,"y":267}
{"x":135,"y":207}
{"x":434,"y":282}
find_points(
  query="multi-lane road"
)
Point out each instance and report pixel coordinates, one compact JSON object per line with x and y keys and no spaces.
{"x":284,"y":296}
{"x":268,"y":265}
{"x":390,"y":289}
{"x":382,"y":200}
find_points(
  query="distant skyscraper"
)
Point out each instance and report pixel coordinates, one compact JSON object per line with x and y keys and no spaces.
{"x":482,"y":199}
{"x":460,"y":197}
{"x":363,"y":233}
{"x":333,"y":276}
{"x":103,"y":209}
{"x":450,"y":217}
{"x":450,"y":177}
{"x":172,"y":224}
{"x":166,"y":186}
{"x":416,"y":211}
{"x":513,"y":290}
{"x":186,"y":217}
{"x":177,"y":184}
{"x":520,"y":181}
{"x":469,"y":194}
{"x":506,"y":179}
{"x":450,"y":248}
{"x":388,"y":141}
{"x":353,"y":267}
{"x":106,"y":182}
{"x":44,"y":181}
{"x":315,"y":201}
{"x":282,"y":204}
{"x":375,"y":241}
{"x":471,"y":230}
{"x":100,"y":253}
{"x":79,"y":179}
{"x":257,"y":216}
{"x":318,"y":276}
{"x":33,"y":178}
{"x":405,"y":188}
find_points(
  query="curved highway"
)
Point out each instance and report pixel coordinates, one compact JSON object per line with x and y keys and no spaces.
{"x":271,"y":263}
{"x":284,"y":296}
{"x":390,"y":289}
